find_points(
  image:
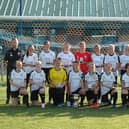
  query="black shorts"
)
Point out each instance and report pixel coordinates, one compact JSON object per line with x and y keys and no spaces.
{"x":90,"y":95}
{"x":34,"y":94}
{"x":105,"y":97}
{"x":14,"y":94}
{"x":77,"y":91}
{"x":122,"y":73}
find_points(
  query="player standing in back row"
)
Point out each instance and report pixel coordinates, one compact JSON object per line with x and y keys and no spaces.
{"x":83,"y":56}
{"x":47,"y":57}
{"x":12,"y":55}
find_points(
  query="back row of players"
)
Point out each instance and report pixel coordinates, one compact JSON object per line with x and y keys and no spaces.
{"x":82,"y":73}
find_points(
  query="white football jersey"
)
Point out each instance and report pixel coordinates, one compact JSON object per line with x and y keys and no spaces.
{"x":18,"y":78}
{"x":91,"y":79}
{"x":38,"y":78}
{"x":112,"y":59}
{"x":47,"y":58}
{"x":67,"y":59}
{"x":75,"y":80}
{"x":98,"y":61}
{"x":124,"y":59}
{"x":125,"y":78}
{"x":108,"y":81}
{"x":30,"y":60}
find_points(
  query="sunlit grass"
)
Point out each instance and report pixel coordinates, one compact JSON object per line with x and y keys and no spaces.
{"x":62,"y":118}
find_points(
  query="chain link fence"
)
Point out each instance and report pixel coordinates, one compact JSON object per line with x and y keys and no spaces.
{"x":103,"y":33}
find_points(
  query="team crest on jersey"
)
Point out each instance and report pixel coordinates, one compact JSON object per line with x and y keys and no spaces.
{"x":11,"y":54}
{"x":19,"y":53}
{"x":85,"y":57}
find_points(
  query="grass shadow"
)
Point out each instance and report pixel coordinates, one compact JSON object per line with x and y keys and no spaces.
{"x":52,"y":111}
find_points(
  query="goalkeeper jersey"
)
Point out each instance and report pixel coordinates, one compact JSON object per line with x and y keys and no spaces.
{"x":57,"y":76}
{"x":84,"y":59}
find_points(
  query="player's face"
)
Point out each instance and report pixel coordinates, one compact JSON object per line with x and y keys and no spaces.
{"x":107,"y":67}
{"x":82,"y":46}
{"x":14,"y":43}
{"x":66,"y":47}
{"x":127,"y":69}
{"x":91,"y":67}
{"x":58,"y":63}
{"x":38,"y":66}
{"x":31,"y":49}
{"x":97,"y":49}
{"x":18,"y":65}
{"x":127,"y":49}
{"x":111,"y":49}
{"x":47,"y":46}
{"x":76,"y":66}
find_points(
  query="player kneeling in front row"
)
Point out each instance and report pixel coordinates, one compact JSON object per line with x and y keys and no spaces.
{"x":92,"y":87}
{"x":107,"y":86}
{"x":57,"y":82}
{"x":18,"y":84}
{"x":37,"y":83}
{"x":125,"y":87}
{"x":76,"y":86}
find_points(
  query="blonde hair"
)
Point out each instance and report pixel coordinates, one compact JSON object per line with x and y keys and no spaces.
{"x":38,"y":62}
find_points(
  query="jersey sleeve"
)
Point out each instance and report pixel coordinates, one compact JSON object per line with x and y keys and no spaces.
{"x":102,"y":78}
{"x":106,"y":59}
{"x":12,"y":74}
{"x":113,"y":78}
{"x":123,"y":77}
{"x":59,"y":55}
{"x":69,"y":77}
{"x":24,"y":59}
{"x":85,"y":77}
{"x":25,"y":76}
{"x":90,"y":58}
{"x":40,"y":56}
{"x":54,"y":56}
{"x":44,"y":77}
{"x":35,"y":58}
{"x":31,"y":76}
{"x":50,"y":74}
{"x":6,"y":56}
{"x":65,"y":75}
{"x":76,"y":55}
{"x":96,"y":77}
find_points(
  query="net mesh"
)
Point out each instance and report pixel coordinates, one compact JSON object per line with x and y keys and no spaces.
{"x":36,"y":33}
{"x":91,"y":32}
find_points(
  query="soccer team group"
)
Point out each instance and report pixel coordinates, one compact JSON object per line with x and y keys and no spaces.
{"x":70,"y":76}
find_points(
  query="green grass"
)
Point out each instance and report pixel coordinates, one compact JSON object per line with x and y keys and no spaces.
{"x":61,"y":118}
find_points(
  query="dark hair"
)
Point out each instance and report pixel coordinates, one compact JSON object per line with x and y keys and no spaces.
{"x":58,"y":58}
{"x":127,"y":65}
{"x":27,"y":53}
{"x":47,"y":41}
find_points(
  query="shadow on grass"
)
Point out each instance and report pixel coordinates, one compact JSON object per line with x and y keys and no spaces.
{"x":52,"y":111}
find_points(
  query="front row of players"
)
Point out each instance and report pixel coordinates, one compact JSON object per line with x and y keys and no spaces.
{"x":76,"y":84}
{"x":37,"y":83}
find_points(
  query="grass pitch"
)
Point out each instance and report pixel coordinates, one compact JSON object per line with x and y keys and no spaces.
{"x":61,"y":118}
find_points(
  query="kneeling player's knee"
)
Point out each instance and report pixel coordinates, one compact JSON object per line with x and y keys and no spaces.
{"x":82,"y":92}
{"x":124,"y":91}
{"x":42,"y":91}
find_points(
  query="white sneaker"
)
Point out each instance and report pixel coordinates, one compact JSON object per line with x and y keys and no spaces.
{"x":43,"y":105}
{"x":75,"y":104}
{"x":68,"y":104}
